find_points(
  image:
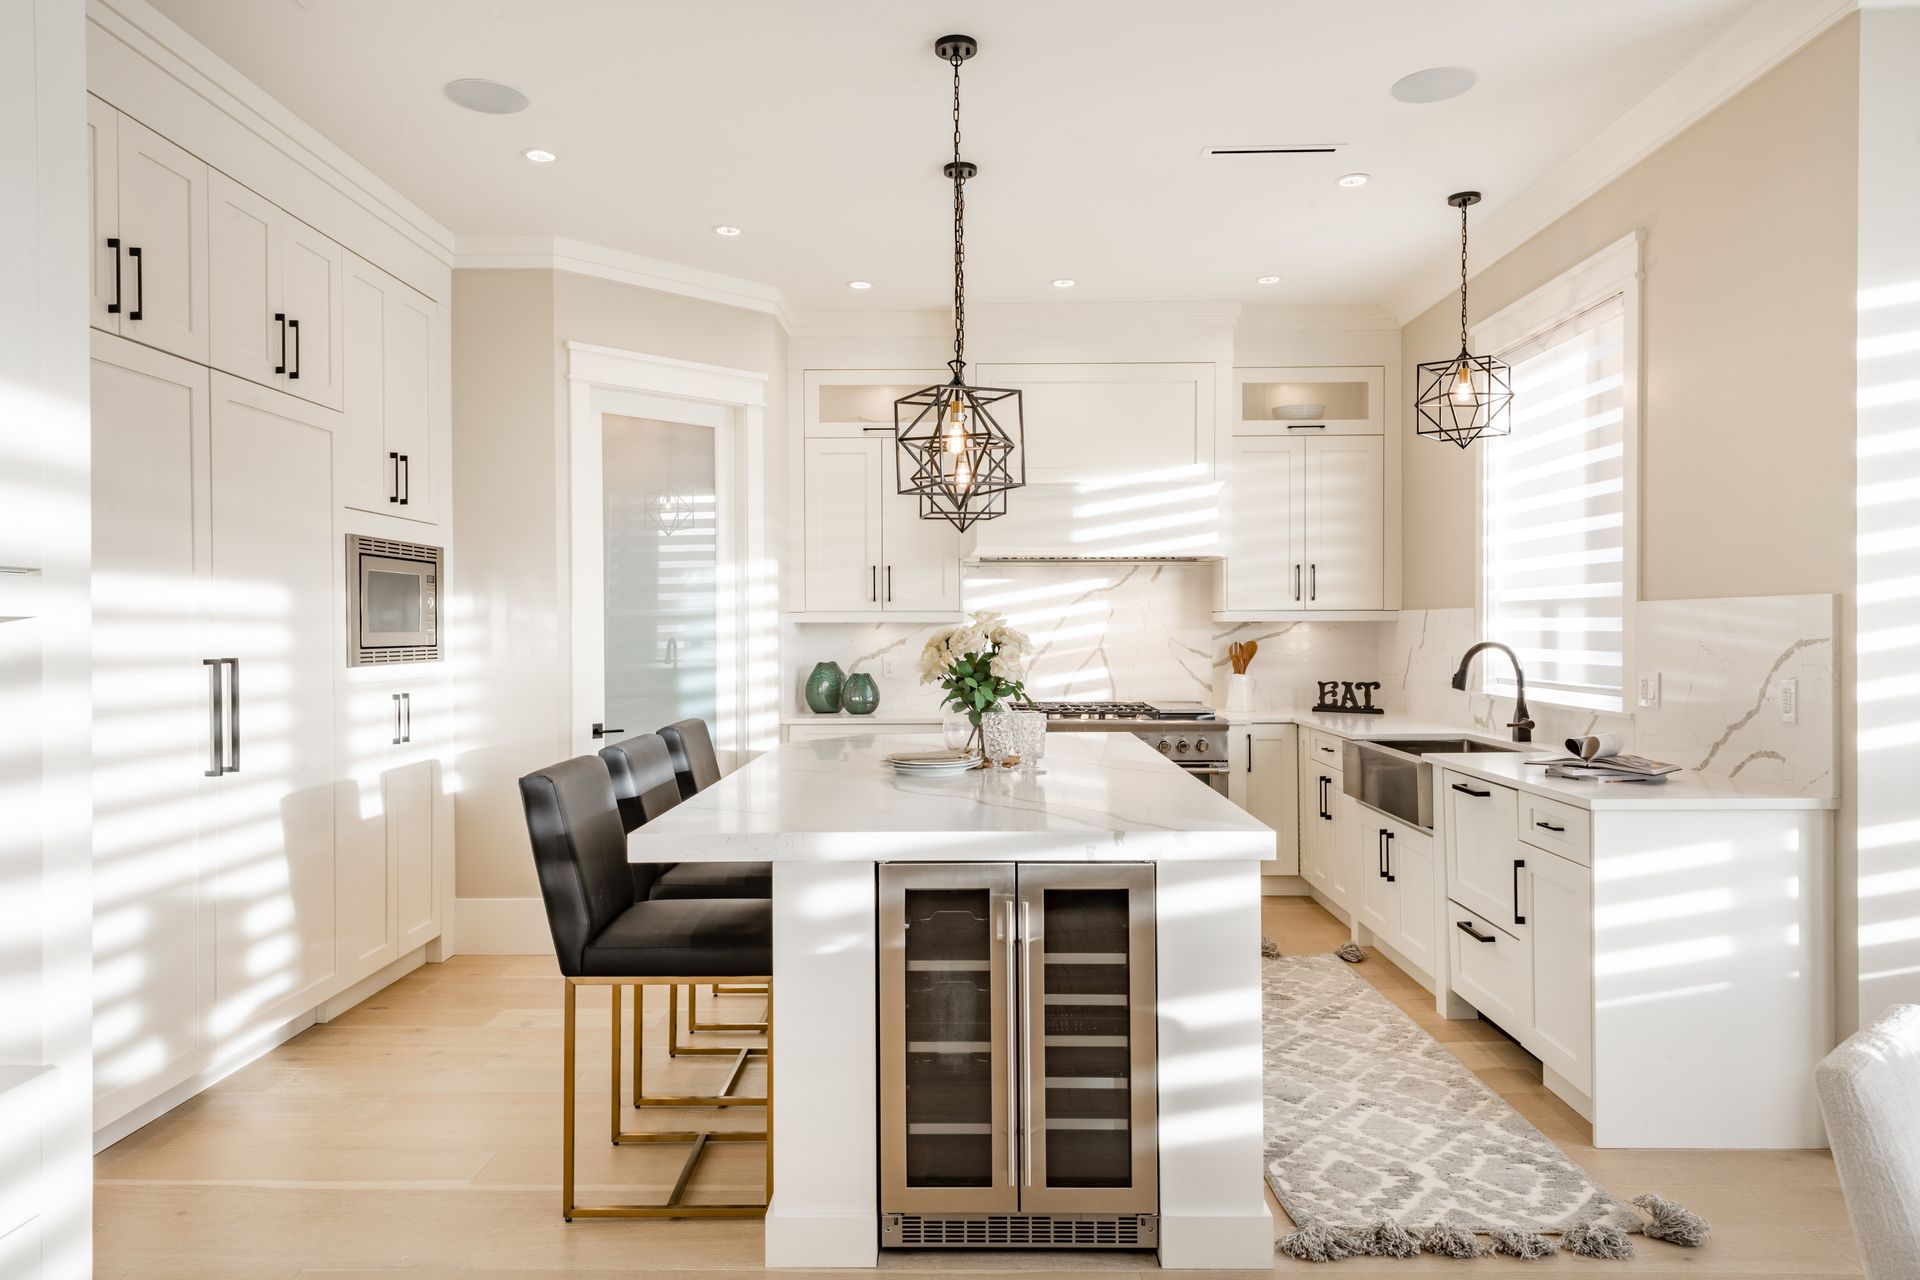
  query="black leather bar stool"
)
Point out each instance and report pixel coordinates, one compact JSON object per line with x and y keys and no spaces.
{"x":645,"y":785}
{"x":603,"y":935}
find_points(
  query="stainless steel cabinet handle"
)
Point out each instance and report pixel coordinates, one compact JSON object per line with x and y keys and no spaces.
{"x":396,"y":720}
{"x":406,"y":705}
{"x":1013,"y":1036}
{"x":216,"y":730}
{"x":233,"y":712}
{"x":1027,"y":941}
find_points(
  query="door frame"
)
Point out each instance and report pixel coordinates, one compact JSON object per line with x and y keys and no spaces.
{"x":599,"y":380}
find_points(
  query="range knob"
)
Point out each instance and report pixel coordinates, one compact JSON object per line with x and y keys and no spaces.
{"x":1164,"y":746}
{"x":1182,"y":746}
{"x":1201,"y":745}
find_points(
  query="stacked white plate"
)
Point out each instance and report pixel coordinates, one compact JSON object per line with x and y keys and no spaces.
{"x":915,"y":763}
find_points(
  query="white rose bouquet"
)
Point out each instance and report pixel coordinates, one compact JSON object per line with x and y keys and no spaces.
{"x":979,"y":665}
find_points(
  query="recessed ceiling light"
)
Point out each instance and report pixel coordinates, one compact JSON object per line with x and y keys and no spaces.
{"x":1063,"y":283}
{"x":1354,"y":179}
{"x":1266,"y":279}
{"x":859,"y":284}
{"x":1435,"y":84}
{"x":488,"y":96}
{"x":539,"y":155}
{"x":724,"y":230}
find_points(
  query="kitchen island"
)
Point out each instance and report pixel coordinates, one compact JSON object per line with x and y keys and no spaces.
{"x":827,"y":814}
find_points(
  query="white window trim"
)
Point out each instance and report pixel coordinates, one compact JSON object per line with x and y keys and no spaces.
{"x":1613,"y":270}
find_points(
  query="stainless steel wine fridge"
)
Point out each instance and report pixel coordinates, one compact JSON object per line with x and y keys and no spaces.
{"x":1017,"y":1055}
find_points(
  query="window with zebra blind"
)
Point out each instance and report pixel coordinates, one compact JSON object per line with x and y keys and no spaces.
{"x":1557,"y":501}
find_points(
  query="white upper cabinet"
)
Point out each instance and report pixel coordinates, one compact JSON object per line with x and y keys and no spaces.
{"x":1338,"y":400}
{"x":1106,"y":422}
{"x":276,"y":297}
{"x":1267,"y":500}
{"x":867,"y":550}
{"x":843,"y":525}
{"x":391,"y":341}
{"x":1344,"y":522}
{"x":1307,"y":525}
{"x":149,"y":223}
{"x":920,"y":565}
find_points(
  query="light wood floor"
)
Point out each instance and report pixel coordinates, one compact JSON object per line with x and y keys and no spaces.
{"x":421,"y":1132}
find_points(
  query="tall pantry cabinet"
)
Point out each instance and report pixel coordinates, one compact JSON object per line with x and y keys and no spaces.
{"x":273,"y":832}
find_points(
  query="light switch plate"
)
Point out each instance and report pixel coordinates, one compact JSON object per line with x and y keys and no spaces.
{"x":1649,"y":688}
{"x":1787,"y":692}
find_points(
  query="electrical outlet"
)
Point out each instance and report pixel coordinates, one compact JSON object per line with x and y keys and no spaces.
{"x":886,"y":665}
{"x":1786,"y":692}
{"x":1649,"y":688}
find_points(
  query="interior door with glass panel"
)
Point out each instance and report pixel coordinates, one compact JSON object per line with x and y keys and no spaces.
{"x":947,"y":1038}
{"x":1087,"y":1004}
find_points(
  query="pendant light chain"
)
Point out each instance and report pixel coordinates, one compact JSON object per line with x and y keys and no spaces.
{"x":959,"y":236}
{"x":1463,"y":277}
{"x":1468,"y":397}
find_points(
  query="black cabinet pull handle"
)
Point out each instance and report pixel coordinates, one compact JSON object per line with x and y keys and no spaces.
{"x":113,"y":243}
{"x":1517,"y":864}
{"x":1466,"y":790}
{"x":1548,"y":826}
{"x":396,"y":720}
{"x":394,"y":458}
{"x":1306,"y":426}
{"x":1313,"y":580}
{"x":293,"y":371}
{"x":406,"y":478}
{"x":1466,"y":927}
{"x":1296,"y":582}
{"x":139,"y":283}
{"x":889,"y":584}
{"x":1380,"y":853}
{"x":1391,"y":878}
{"x":1249,"y":755}
{"x":280,"y":318}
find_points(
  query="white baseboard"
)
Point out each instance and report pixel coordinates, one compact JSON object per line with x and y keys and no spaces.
{"x":1275,"y":886}
{"x":502,"y":927}
{"x":370,"y":985}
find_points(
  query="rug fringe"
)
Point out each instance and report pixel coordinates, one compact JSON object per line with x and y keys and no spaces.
{"x":1351,"y":952}
{"x":1519,"y":1244}
{"x":1269,"y":949}
{"x":1388,"y":1239}
{"x":1597,"y":1239}
{"x":1450,"y":1241}
{"x":1674,"y":1223}
{"x":1316,"y":1242}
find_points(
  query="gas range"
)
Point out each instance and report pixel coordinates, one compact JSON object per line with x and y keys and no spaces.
{"x":1187,"y":733}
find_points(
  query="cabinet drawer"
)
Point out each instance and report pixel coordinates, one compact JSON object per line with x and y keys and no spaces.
{"x":1323,"y":749}
{"x":1555,"y":827}
{"x":1484,"y":856}
{"x":1492,"y":969}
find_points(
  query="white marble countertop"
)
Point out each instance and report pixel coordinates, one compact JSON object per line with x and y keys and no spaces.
{"x":1687,"y":789}
{"x":1095,"y":797}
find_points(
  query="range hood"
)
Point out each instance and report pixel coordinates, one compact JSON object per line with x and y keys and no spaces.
{"x":1157,"y":523}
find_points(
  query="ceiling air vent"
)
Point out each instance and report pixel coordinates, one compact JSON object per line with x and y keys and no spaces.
{"x":1277,"y":149}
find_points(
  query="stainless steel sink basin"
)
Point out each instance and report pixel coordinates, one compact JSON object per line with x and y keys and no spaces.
{"x":1393,"y":775}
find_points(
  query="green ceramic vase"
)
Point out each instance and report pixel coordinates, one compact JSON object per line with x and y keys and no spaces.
{"x":824,"y":688}
{"x":859,"y":696}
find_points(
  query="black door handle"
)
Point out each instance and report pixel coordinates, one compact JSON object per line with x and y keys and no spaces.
{"x":406,"y":480}
{"x":1391,"y":878}
{"x":394,"y":458}
{"x":280,"y":318}
{"x":1517,"y":864}
{"x":139,"y":283}
{"x":1466,"y":790}
{"x":1548,"y":826}
{"x":1466,"y":927}
{"x":113,"y":243}
{"x":293,"y":371}
{"x":601,"y":731}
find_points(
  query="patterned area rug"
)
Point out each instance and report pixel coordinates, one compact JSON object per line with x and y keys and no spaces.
{"x":1370,"y":1119}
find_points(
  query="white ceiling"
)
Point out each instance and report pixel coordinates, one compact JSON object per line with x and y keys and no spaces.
{"x":820,"y":128}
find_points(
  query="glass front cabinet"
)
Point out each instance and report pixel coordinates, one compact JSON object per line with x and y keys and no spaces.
{"x":1017,"y":1049}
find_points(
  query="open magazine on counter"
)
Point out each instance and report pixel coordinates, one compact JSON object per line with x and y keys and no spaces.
{"x":1600,"y":758}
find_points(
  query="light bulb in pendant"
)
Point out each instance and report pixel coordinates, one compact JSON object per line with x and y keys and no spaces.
{"x":1463,"y":385}
{"x":955,"y":437}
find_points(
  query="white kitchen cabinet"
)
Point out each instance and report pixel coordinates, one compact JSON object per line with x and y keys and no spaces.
{"x":1394,"y":893}
{"x":1351,"y":400}
{"x":1307,"y":522}
{"x":1265,"y":781}
{"x":1483,"y":853}
{"x":867,"y":550}
{"x":1490,"y":969}
{"x":391,"y":339}
{"x":1319,"y":844}
{"x":1103,"y":422}
{"x":154,"y":845}
{"x":149,"y":228}
{"x":387,"y":879}
{"x":275,"y":287}
{"x":1559,"y":911}
{"x":856,"y":403}
{"x":277,"y":601}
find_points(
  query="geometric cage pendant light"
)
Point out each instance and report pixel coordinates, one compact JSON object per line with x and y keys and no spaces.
{"x":1468,"y":396}
{"x":958,"y":448}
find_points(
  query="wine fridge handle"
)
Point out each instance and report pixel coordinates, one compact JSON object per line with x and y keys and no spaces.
{"x":1026,"y":1045}
{"x":1013,"y":1038}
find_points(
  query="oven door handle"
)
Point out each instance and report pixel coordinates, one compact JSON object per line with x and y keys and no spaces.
{"x":1206,"y":768}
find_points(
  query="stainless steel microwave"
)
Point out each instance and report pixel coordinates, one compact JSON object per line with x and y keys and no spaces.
{"x":393,"y":601}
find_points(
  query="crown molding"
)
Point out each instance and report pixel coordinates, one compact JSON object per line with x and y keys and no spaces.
{"x":1759,"y":40}
{"x":558,"y":253}
{"x":159,"y":40}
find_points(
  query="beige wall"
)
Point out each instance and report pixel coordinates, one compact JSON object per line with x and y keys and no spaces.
{"x":508,"y":630}
{"x":1746,"y":462}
